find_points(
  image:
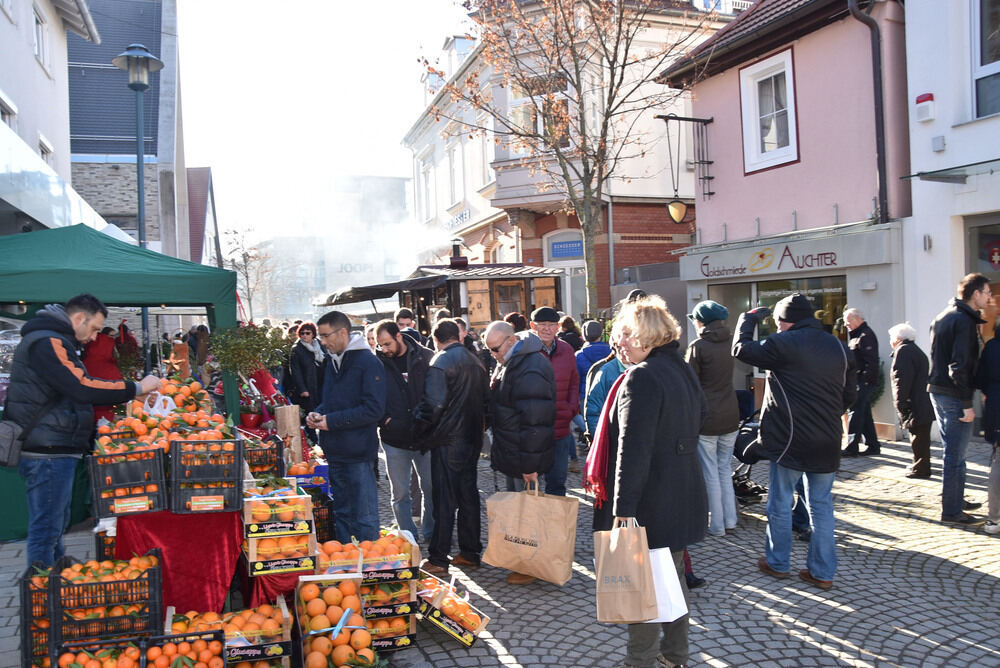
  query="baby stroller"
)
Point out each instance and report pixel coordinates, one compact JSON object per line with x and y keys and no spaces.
{"x":747,"y":491}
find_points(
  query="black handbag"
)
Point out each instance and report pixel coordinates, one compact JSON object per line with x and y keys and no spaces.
{"x":12,"y":435}
{"x":748,"y":449}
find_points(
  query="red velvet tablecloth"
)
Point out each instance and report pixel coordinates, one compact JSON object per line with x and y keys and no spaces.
{"x":199,"y":554}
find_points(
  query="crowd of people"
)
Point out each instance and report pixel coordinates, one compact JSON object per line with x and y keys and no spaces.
{"x":658,"y":424}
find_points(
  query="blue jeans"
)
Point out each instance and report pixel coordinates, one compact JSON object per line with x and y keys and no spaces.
{"x":355,"y":500}
{"x":399,"y":464}
{"x":580,"y":424}
{"x":555,"y":477}
{"x":955,"y":437}
{"x":716,"y":455}
{"x":822,"y":558}
{"x":49,"y":483}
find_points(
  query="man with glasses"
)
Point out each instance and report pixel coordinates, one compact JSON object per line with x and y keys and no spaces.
{"x":406,"y":363}
{"x":954,"y":354}
{"x":545,"y":323}
{"x":352,"y":405}
{"x":523,"y":403}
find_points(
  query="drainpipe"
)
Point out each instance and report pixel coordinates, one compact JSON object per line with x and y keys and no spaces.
{"x":883,"y":197}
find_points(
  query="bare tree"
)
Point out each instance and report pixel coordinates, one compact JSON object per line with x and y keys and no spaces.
{"x":567,"y":86}
{"x":250,"y":264}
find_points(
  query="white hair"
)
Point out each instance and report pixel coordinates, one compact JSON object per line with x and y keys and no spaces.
{"x":903,"y":331}
{"x":856,"y":312}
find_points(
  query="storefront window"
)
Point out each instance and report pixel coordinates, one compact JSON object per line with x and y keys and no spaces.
{"x":828,"y":294}
{"x":734,"y":296}
{"x":984,"y":257}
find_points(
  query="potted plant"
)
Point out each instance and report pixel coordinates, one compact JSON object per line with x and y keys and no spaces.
{"x":250,"y":414}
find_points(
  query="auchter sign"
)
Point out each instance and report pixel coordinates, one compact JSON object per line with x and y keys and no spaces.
{"x":829,"y":252}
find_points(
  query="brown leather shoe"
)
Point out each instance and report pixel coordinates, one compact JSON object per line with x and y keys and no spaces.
{"x":460,"y":560}
{"x":433,"y":569}
{"x":520,"y":579}
{"x":806,"y":576}
{"x":766,"y":568}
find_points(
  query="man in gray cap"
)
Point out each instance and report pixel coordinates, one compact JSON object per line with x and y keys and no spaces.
{"x":811,"y":381}
{"x":545,"y":323}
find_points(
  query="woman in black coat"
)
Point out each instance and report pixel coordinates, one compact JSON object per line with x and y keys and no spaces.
{"x":654,"y":474}
{"x":909,"y":394}
{"x":570,"y":332}
{"x":305,"y":367}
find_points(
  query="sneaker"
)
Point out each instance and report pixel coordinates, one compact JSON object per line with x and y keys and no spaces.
{"x":992,"y":527}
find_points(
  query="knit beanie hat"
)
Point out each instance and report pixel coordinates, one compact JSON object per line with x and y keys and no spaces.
{"x":794,"y":308}
{"x":708,"y":311}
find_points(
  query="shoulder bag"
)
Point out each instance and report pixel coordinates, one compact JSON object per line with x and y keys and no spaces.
{"x":12,"y":435}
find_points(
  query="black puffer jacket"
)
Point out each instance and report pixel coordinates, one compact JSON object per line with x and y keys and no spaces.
{"x":46,"y":367}
{"x":403,"y":396}
{"x":811,"y":381}
{"x":954,"y":351}
{"x":711,"y":358}
{"x":523,"y":407}
{"x":453,"y":407}
{"x":653,"y":470}
{"x":909,"y":385}
{"x":864,"y":344}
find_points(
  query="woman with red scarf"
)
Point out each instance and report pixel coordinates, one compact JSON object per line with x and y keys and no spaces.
{"x":644,"y":463}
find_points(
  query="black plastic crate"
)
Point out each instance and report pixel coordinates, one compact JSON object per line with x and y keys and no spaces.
{"x":323,"y":517}
{"x":128,"y":483}
{"x":104,"y":546}
{"x":268,"y":460}
{"x":34,"y":618}
{"x":138,"y":619}
{"x":104,"y":649}
{"x":190,"y":637}
{"x":206,"y":480}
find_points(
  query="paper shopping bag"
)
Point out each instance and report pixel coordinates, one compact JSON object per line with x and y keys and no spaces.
{"x":532,"y":533}
{"x":670,"y":603}
{"x":290,"y":429}
{"x":625,"y":592}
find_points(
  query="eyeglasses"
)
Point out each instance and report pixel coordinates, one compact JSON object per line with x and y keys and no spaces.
{"x":497,"y":348}
{"x":329,"y":334}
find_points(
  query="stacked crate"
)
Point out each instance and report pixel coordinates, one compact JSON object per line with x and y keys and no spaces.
{"x":279,"y":531}
{"x":440,"y":605}
{"x":128,"y":483}
{"x":206,"y":476}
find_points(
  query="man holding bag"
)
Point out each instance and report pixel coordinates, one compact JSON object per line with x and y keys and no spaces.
{"x":523,"y":409}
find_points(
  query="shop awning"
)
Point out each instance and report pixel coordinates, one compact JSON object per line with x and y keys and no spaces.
{"x":383,"y":290}
{"x":958,"y":174}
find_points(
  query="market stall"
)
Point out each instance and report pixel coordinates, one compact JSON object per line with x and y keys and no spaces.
{"x":49,"y":266}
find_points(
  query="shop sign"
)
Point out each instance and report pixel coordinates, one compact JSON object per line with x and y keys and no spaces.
{"x":461,"y":219}
{"x":993,"y":254}
{"x":566,"y":249}
{"x":835,"y":252}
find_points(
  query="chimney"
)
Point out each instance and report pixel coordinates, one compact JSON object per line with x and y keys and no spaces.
{"x":457,"y":261}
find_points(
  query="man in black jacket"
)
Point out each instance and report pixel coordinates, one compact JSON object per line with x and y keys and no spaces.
{"x":406,"y":363}
{"x":909,"y":393}
{"x":523,"y":410}
{"x":811,"y":380}
{"x":863,"y":343}
{"x":954,"y":354}
{"x":450,"y":425}
{"x":50,"y":388}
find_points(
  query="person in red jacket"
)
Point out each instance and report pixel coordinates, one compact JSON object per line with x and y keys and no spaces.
{"x":545,"y":323}
{"x":99,"y":360}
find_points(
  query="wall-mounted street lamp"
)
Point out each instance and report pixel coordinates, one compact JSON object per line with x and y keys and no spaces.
{"x":139,"y":63}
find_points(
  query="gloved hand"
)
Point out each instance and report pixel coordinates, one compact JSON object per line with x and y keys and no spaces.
{"x":759,"y":313}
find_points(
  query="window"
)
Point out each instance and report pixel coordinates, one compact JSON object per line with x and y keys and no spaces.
{"x":8,"y":111}
{"x":986,"y":65}
{"x":45,"y":149}
{"x":525,"y":101}
{"x":456,"y":190}
{"x":425,"y":190}
{"x":767,"y":99}
{"x":41,"y":38}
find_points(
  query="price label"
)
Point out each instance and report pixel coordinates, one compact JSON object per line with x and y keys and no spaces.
{"x":132,"y":505}
{"x":207,"y":503}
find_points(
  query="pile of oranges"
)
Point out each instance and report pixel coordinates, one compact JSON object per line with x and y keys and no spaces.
{"x":385,"y":548}
{"x":321,"y":609}
{"x":286,"y":547}
{"x":187,"y":393}
{"x":259,"y":625}
{"x":109,"y":657}
{"x":148,"y":432}
{"x":131,"y":571}
{"x":450,"y":604}
{"x":198,"y":652}
{"x":386,"y":593}
{"x":286,"y":505}
{"x":302,"y":468}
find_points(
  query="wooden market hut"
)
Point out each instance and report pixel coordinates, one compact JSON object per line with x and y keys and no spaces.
{"x":480,"y":292}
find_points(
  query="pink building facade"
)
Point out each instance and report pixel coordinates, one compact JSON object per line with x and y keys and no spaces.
{"x":789,"y":88}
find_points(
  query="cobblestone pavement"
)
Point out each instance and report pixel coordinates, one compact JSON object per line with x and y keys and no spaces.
{"x":909,"y":591}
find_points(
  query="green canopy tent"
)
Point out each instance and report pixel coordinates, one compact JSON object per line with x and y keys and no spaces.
{"x":50,"y":266}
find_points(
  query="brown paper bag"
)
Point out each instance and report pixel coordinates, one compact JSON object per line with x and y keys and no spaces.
{"x":625,"y":589}
{"x":290,"y":429}
{"x":532,"y":533}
